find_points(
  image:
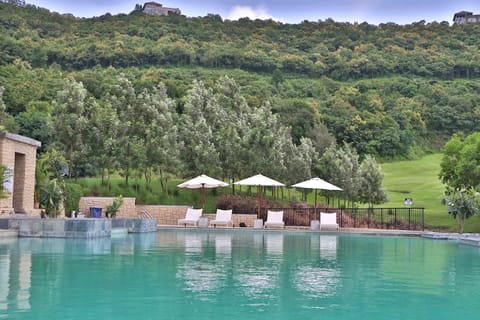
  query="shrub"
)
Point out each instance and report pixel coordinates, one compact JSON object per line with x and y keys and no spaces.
{"x":111,"y":210}
{"x":237,"y":203}
{"x":248,"y":205}
{"x":73,"y":193}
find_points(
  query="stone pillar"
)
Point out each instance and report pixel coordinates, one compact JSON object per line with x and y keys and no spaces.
{"x":19,"y":155}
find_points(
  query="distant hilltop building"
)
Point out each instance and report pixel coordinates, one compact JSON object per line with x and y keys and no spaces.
{"x":463,"y":17}
{"x":157,"y":9}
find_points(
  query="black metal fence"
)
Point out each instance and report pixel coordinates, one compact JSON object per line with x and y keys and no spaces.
{"x":407,"y":218}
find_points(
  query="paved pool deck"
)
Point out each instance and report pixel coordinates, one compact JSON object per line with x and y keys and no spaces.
{"x":8,"y":234}
{"x":472,"y":239}
{"x":302,"y":229}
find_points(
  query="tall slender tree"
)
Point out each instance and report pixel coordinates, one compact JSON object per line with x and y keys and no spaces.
{"x":371,"y":178}
{"x":3,"y":112}
{"x":124,"y":100}
{"x":158,"y":132}
{"x":104,"y":136}
{"x":70,"y":123}
{"x":198,"y":152}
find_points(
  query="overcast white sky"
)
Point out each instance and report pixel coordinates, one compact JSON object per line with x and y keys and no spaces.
{"x":288,"y":11}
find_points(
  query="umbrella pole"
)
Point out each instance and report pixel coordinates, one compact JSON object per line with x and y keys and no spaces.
{"x":259,"y":201}
{"x":203,"y":197}
{"x":316,"y":204}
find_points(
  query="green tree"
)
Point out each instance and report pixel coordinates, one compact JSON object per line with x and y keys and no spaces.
{"x":460,"y":165}
{"x":462,"y":204}
{"x":70,"y":123}
{"x":299,"y":161}
{"x":277,"y":78}
{"x":7,"y":122}
{"x":158,"y":133}
{"x":341,"y":167}
{"x":230,"y":125}
{"x":124,"y":100}
{"x":371,"y":178}
{"x":198,"y":152}
{"x":104,"y":139}
{"x":263,"y":144}
{"x":3,"y":111}
{"x":298,"y":115}
{"x":37,"y":125}
{"x":50,"y":177}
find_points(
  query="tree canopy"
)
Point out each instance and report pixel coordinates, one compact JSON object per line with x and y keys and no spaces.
{"x":460,"y":166}
{"x":173,"y":94}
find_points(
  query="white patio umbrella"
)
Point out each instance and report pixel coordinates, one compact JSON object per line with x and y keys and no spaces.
{"x":201,"y":182}
{"x":317,"y":184}
{"x":259,"y":181}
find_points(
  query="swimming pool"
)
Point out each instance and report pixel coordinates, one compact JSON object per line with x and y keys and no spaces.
{"x":194,"y":274}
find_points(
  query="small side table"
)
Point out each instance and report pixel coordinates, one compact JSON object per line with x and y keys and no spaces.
{"x":203,"y":222}
{"x":315,"y":225}
{"x":258,"y":224}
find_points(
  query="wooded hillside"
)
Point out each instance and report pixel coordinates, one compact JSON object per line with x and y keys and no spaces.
{"x":388,"y":90}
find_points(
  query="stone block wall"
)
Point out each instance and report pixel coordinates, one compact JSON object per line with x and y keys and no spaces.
{"x":247,"y":219}
{"x":165,"y":215}
{"x":19,"y":154}
{"x":169,"y":215}
{"x":10,"y":223}
{"x":135,"y":225}
{"x":127,"y":210}
{"x":65,"y":228}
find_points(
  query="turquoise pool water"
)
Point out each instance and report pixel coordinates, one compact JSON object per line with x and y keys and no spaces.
{"x":212,"y":275}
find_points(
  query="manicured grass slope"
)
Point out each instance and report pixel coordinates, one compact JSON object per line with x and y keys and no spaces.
{"x":419,"y":180}
{"x":416,"y":179}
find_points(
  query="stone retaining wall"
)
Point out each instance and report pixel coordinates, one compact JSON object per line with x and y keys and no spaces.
{"x":165,"y":215}
{"x":127,"y":210}
{"x":135,"y":225}
{"x":247,"y":219}
{"x":65,"y":228}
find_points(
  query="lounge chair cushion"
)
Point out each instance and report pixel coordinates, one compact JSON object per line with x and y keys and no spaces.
{"x":191,"y":217}
{"x":223,"y":217}
{"x":274,"y":219}
{"x":328,"y":220}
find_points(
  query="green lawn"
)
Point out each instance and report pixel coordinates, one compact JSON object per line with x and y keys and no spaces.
{"x":416,"y":179}
{"x":419,"y":180}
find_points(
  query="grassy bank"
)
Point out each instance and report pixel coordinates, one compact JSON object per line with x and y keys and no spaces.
{"x":416,"y":179}
{"x":419,"y":180}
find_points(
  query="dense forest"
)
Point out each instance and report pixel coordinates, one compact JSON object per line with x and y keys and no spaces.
{"x":391,"y":91}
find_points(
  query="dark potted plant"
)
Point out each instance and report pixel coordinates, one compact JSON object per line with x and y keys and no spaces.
{"x":111,"y":210}
{"x":51,"y":197}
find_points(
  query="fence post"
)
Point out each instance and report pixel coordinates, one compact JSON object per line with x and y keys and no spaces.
{"x":423,"y":219}
{"x":395,"y":219}
{"x":354,"y":218}
{"x":341,"y":218}
{"x":409,"y":219}
{"x":301,"y":217}
{"x":368,"y":218}
{"x":381,"y":217}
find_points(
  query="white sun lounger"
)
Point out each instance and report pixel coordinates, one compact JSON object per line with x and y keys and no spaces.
{"x":191,"y":217}
{"x":274,"y":219}
{"x":223,"y":217}
{"x":328,"y":221}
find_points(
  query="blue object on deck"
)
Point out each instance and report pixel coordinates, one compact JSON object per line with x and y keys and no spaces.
{"x":95,"y":212}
